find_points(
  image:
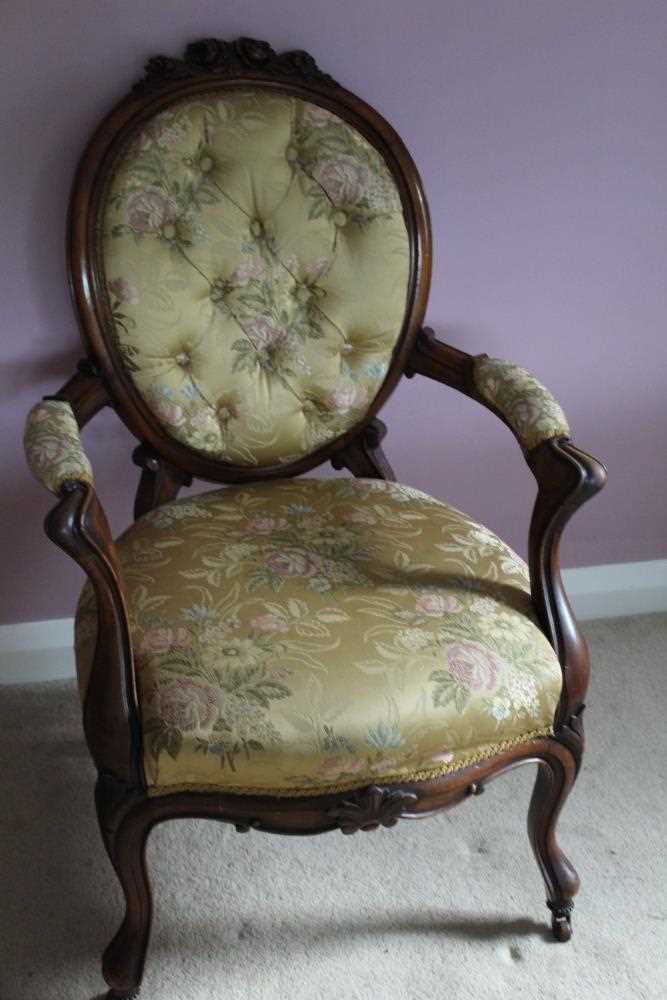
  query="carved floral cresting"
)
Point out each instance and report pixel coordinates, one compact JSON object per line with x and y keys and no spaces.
{"x":371,"y":808}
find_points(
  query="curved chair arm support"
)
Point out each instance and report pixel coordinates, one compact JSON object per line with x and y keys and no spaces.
{"x":566,"y":478}
{"x":79,"y":526}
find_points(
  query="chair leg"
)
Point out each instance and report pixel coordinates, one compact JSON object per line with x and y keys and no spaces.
{"x":553,"y":784}
{"x":123,"y":961}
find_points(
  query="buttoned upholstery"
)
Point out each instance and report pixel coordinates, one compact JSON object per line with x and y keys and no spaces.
{"x":308,"y":635}
{"x":257,"y":265}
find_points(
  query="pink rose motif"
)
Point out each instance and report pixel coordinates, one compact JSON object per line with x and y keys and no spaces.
{"x":334,"y":767}
{"x":159,"y":640}
{"x":267,"y":334}
{"x":203,"y":420}
{"x":249,"y":270}
{"x":265,"y":525}
{"x":318,"y":117}
{"x":291,"y":562}
{"x":148,"y":211}
{"x":269,"y":623}
{"x":40,"y":415}
{"x":314,"y":269}
{"x":163,"y":130}
{"x":436,"y":605}
{"x":170,"y":413}
{"x":526,"y":413}
{"x":48,"y":450}
{"x":347,"y":397}
{"x":124,"y":291}
{"x":186,"y":705}
{"x":344,"y":179}
{"x":475,"y":667}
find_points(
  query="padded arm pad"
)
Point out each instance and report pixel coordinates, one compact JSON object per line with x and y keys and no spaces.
{"x":527,"y":406}
{"x":53,"y":445}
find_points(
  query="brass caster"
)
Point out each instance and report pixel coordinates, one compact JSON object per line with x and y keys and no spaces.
{"x":561,"y":920}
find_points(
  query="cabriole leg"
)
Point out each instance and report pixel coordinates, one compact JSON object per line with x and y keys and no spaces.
{"x":555,"y":778}
{"x":125,"y":840}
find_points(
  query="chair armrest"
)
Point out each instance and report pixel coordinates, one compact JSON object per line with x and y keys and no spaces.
{"x":53,"y":446}
{"x":526,"y":406}
{"x":79,"y":526}
{"x":566,"y":477}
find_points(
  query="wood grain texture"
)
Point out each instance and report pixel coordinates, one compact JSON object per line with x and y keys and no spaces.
{"x":364,"y":456}
{"x":159,"y":483}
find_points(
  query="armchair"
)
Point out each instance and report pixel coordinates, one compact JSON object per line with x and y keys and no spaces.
{"x":249,"y":256}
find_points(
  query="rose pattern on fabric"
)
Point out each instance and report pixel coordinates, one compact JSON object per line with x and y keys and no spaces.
{"x":53,"y":447}
{"x":271,"y":264}
{"x":351,"y":630}
{"x":344,"y":179}
{"x":527,"y":406}
{"x":148,"y":211}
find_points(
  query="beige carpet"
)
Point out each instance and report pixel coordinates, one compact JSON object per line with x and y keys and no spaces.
{"x":450,"y":907}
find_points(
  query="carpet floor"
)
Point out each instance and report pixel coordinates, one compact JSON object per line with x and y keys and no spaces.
{"x":450,"y":907}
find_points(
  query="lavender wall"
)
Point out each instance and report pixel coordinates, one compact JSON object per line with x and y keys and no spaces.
{"x":540,"y":132}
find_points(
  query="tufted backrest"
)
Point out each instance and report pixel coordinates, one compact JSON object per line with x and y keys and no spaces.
{"x":255,"y":269}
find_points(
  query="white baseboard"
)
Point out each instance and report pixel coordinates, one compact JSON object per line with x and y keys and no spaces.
{"x":617,"y":590}
{"x":42,"y":651}
{"x":37,"y":651}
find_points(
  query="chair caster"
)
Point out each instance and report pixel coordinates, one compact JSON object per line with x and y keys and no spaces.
{"x":121,"y":995}
{"x":561,"y":920}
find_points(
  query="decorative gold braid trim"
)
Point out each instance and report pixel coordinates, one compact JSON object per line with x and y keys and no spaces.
{"x":348,"y":786}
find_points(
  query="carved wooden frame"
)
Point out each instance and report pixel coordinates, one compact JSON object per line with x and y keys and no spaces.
{"x":566,"y":478}
{"x":207,"y":65}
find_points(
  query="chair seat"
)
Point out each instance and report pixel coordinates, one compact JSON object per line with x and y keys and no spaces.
{"x":312,"y":635}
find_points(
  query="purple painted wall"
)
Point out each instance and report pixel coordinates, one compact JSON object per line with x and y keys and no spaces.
{"x":541,"y":134}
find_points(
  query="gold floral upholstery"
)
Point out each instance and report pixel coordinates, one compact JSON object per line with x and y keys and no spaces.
{"x":257,"y":265}
{"x":527,"y":406}
{"x":309,"y":635}
{"x":53,"y":446}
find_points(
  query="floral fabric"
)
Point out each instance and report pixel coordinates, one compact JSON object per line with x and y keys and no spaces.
{"x":257,"y":265}
{"x":527,"y":405}
{"x":310,"y":635}
{"x":53,"y":446}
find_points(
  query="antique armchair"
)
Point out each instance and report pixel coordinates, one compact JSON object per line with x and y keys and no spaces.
{"x":249,"y":258}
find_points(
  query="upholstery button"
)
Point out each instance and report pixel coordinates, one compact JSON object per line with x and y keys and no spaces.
{"x":291,"y":154}
{"x":256,"y":228}
{"x":339,"y":218}
{"x":347,"y":348}
{"x":169,"y":231}
{"x":206,"y":164}
{"x":182,"y":359}
{"x":302,"y":294}
{"x":219,"y":289}
{"x":308,"y":406}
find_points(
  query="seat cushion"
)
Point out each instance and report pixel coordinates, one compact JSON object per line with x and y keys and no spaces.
{"x":312,"y":635}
